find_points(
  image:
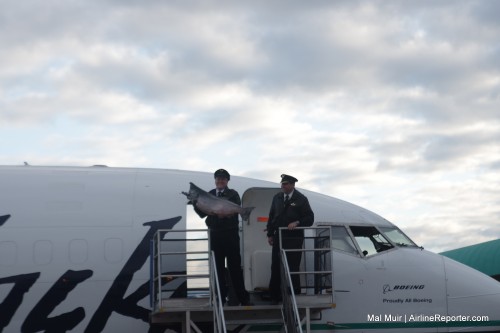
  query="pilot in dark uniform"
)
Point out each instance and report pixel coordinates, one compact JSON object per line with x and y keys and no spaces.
{"x":290,"y":209}
{"x":225,"y":240}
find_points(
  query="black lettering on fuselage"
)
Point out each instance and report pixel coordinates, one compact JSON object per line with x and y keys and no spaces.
{"x":114,"y":300}
{"x":22,"y":284}
{"x":4,"y":219}
{"x":38,"y":320}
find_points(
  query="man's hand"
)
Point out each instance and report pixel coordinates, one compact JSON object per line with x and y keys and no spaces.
{"x":293,"y":225}
{"x":270,"y":240}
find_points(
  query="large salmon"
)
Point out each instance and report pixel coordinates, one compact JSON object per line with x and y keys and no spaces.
{"x":212,"y":205}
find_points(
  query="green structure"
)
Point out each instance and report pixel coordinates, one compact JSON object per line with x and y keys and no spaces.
{"x":485,"y":257}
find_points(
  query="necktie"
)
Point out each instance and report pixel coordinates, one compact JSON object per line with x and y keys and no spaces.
{"x":286,"y":199}
{"x":219,"y":194}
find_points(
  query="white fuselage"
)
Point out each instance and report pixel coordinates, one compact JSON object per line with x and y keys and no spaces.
{"x":75,"y":245}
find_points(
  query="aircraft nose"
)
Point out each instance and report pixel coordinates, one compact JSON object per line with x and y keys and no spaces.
{"x":470,"y":292}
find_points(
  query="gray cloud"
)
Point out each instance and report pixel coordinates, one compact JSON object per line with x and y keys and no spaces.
{"x":392,"y":105}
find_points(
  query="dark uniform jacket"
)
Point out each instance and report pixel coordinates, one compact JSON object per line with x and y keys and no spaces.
{"x":213,"y":222}
{"x":297,"y":209}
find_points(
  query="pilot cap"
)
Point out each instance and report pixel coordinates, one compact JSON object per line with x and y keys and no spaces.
{"x":222,"y":173}
{"x":288,"y":179}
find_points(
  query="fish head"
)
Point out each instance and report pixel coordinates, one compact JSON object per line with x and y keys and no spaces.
{"x":193,"y":193}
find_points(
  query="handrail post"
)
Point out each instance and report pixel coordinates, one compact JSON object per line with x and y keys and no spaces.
{"x":216,"y":301}
{"x":158,"y":269}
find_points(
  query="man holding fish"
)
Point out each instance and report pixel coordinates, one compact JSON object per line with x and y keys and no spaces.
{"x":221,"y":207}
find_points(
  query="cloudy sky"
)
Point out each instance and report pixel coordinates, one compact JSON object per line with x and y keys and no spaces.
{"x":392,"y":105}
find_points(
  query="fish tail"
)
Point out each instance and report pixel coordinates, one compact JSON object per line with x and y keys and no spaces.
{"x":245,"y":214}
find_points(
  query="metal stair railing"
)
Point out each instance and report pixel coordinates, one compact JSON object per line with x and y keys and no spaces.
{"x":177,"y":260}
{"x":215,"y":298}
{"x":192,"y":265}
{"x":289,"y":309}
{"x":316,"y":258}
{"x":188,"y":262}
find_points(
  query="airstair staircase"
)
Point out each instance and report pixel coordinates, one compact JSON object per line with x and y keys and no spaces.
{"x":190,"y":298}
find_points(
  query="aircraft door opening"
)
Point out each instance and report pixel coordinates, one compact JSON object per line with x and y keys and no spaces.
{"x":256,"y":250}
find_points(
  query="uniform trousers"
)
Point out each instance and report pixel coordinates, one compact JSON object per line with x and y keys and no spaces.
{"x":291,"y":240}
{"x":225,"y":244}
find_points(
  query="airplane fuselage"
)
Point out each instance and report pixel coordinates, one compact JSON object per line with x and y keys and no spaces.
{"x":75,"y":247}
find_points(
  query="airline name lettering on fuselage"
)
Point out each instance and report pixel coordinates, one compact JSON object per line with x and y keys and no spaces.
{"x":3,"y":219}
{"x":115,"y":300}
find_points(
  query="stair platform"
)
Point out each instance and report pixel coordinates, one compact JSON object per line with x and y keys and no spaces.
{"x":174,"y":310}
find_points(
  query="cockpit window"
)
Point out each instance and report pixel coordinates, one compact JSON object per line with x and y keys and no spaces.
{"x":397,"y":236}
{"x":370,"y":240}
{"x":342,"y":241}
